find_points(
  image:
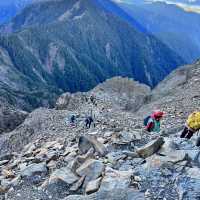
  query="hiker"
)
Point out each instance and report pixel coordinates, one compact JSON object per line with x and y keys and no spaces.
{"x":72,"y":120}
{"x":92,"y":99}
{"x":152,"y":122}
{"x":88,"y":121}
{"x":192,"y":126}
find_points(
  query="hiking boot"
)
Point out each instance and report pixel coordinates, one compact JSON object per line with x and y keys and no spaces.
{"x":198,"y":142}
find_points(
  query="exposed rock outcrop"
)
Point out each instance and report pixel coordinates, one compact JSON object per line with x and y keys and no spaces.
{"x":10,"y":117}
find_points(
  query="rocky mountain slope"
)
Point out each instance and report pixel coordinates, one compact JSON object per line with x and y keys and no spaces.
{"x":10,"y":117}
{"x":178,"y":94}
{"x":52,"y":41}
{"x":115,"y":160}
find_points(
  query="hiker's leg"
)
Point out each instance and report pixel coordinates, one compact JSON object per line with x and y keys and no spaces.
{"x":184,"y":133}
{"x":190,"y":134}
{"x":198,"y":142}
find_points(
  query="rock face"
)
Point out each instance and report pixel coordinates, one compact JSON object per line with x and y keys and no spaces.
{"x":171,"y":95}
{"x":10,"y":117}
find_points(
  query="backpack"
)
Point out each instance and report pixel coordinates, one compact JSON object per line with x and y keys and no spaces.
{"x":146,"y":120}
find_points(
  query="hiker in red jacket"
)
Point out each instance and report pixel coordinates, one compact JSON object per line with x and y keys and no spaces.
{"x":152,"y":122}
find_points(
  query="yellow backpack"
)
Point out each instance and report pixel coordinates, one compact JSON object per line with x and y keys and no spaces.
{"x":193,"y":120}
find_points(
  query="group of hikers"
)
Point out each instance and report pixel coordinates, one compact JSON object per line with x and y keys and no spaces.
{"x":192,"y":125}
{"x":151,"y":122}
{"x":89,"y":118}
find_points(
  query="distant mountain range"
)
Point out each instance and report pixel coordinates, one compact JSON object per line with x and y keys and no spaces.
{"x":9,"y":8}
{"x":70,"y":45}
{"x":177,"y":28}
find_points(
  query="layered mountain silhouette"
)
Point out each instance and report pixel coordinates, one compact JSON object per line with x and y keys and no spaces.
{"x":175,"y":26}
{"x":69,"y":45}
{"x":10,"y":8}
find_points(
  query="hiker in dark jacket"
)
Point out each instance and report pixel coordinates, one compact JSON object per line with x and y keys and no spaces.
{"x":93,"y":100}
{"x":88,"y":121}
{"x":73,"y":120}
{"x":152,"y":122}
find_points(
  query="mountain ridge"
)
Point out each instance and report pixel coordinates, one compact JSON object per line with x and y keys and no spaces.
{"x":81,"y":49}
{"x":179,"y":31}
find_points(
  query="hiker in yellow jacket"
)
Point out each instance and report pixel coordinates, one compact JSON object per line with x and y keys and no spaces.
{"x":192,"y":125}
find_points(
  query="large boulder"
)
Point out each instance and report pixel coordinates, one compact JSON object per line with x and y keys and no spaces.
{"x":59,"y":184}
{"x":64,"y":175}
{"x":116,"y":180}
{"x":91,"y":169}
{"x":169,"y":146}
{"x":150,"y":148}
{"x":87,"y":142}
{"x":156,"y":161}
{"x":34,"y":169}
{"x":93,"y":186}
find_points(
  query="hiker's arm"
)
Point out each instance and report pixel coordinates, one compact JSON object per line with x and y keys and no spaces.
{"x":149,"y":126}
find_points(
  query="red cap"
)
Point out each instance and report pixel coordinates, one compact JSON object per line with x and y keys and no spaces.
{"x":158,"y":114}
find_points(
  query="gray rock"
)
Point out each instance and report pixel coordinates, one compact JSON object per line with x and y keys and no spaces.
{"x":156,"y":161}
{"x":78,"y":184}
{"x":28,"y":149}
{"x":150,"y":148}
{"x":116,"y":180}
{"x":168,"y":146}
{"x":193,"y":173}
{"x":113,"y":157}
{"x":131,"y":154}
{"x":93,"y":186}
{"x":87,"y":142}
{"x":3,"y":162}
{"x":125,"y":137}
{"x":128,"y":194}
{"x":34,"y":169}
{"x":6,"y":156}
{"x":64,"y":175}
{"x":79,"y":197}
{"x":92,"y":169}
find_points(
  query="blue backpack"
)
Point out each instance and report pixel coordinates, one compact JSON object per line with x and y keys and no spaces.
{"x":146,"y":119}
